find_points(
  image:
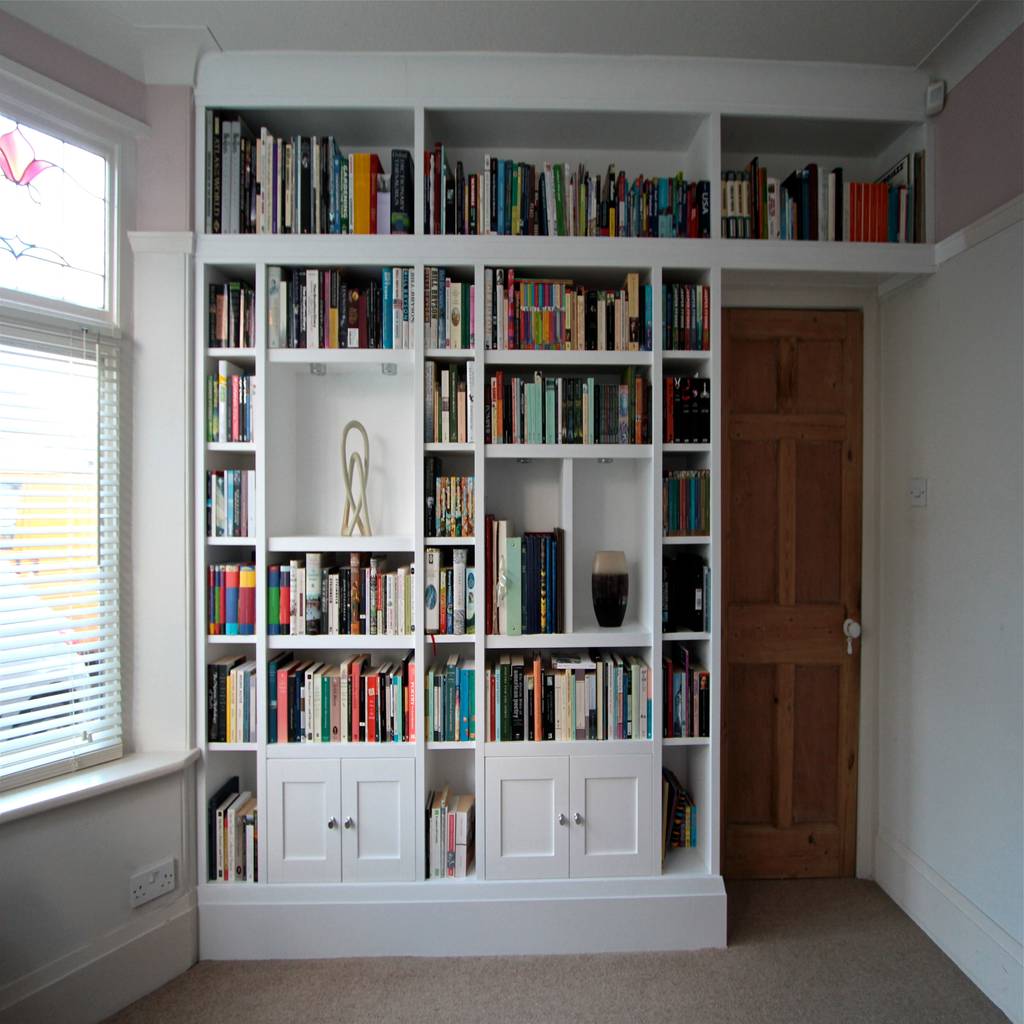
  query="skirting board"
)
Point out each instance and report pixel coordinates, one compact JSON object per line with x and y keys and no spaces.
{"x":471,"y":927}
{"x":108,"y":974}
{"x":975,"y":943}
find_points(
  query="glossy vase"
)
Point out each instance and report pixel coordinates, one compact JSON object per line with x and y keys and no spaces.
{"x":609,"y":585}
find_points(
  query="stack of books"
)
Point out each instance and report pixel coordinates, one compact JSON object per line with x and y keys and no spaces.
{"x":231,"y":600}
{"x":686,"y":503}
{"x":310,"y":701}
{"x":686,"y":692}
{"x":232,"y":838}
{"x":568,"y":697}
{"x":678,"y":814}
{"x":449,"y":595}
{"x":230,"y":503}
{"x":451,"y":701}
{"x":449,"y":503}
{"x":687,"y":410}
{"x":451,"y":826}
{"x":307,"y":597}
{"x":448,"y":403}
{"x":685,"y":592}
{"x":231,"y":700}
{"x":232,"y":315}
{"x":449,"y":311}
{"x":230,"y":395}
{"x":524,"y":580}
{"x":686,"y":317}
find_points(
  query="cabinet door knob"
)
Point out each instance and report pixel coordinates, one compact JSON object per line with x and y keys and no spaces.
{"x":349,"y":823}
{"x":332,"y":822}
{"x":578,"y":818}
{"x":562,"y":819}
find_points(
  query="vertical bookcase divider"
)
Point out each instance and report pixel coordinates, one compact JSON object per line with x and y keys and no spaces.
{"x":479,"y":557}
{"x":712,"y":794}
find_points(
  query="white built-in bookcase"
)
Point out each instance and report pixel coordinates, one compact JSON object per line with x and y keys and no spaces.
{"x":650,"y":118}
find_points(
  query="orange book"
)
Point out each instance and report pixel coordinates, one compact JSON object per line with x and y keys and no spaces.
{"x":361,"y":204}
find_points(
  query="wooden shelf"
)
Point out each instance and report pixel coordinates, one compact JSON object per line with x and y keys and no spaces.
{"x":231,"y":542}
{"x":451,"y":447}
{"x":448,"y":638}
{"x":238,"y":447}
{"x":228,"y":747}
{"x":340,"y":642}
{"x":627,"y":635}
{"x":696,"y":539}
{"x":564,"y":357}
{"x":232,"y":354}
{"x":247,"y":638}
{"x":339,"y":358}
{"x":451,"y":744}
{"x":450,"y":353}
{"x":685,"y":741}
{"x":685,"y":449}
{"x":448,"y":542}
{"x":365,"y":749}
{"x":670,"y":637}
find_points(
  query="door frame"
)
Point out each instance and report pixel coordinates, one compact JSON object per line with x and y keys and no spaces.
{"x":784,"y":294}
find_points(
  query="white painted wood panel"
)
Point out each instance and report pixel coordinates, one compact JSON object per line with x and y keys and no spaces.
{"x":302,"y":798}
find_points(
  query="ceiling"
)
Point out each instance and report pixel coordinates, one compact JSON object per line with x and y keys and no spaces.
{"x":159,"y":40}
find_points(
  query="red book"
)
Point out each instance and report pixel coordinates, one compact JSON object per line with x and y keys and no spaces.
{"x":354,"y":671}
{"x":375,"y":169}
{"x":285,"y":600}
{"x":706,"y":305}
{"x":282,"y":702}
{"x":410,"y":711}
{"x":692,"y":212}
{"x":371,"y":707}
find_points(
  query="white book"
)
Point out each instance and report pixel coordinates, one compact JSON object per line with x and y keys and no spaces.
{"x":312,"y":308}
{"x":773,"y":208}
{"x":445,"y":405}
{"x":459,"y":591}
{"x":499,"y":597}
{"x":273,"y":307}
{"x":432,"y":590}
{"x":231,"y":842}
{"x":250,"y":852}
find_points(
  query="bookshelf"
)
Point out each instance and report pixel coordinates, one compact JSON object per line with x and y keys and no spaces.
{"x":679,"y":903}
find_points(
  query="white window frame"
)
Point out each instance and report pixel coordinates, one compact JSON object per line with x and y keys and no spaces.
{"x":51,"y":107}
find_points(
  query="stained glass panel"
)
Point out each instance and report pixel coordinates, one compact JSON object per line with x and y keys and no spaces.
{"x":54,"y":209}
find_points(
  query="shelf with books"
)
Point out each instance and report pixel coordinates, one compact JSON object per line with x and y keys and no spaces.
{"x":696,"y":539}
{"x":685,"y":449}
{"x":232,"y":447}
{"x":230,"y":542}
{"x":449,"y":542}
{"x":216,"y":748}
{"x":565,"y":357}
{"x":449,"y":447}
{"x":235,"y":354}
{"x":299,"y":751}
{"x":529,"y":452}
{"x":533,"y":748}
{"x":431,"y":639}
{"x":686,"y":741}
{"x":232,"y":639}
{"x":439,"y":745}
{"x":629,"y":634}
{"x":684,"y":635}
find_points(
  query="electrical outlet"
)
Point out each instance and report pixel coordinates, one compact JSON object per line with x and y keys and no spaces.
{"x":152,"y":882}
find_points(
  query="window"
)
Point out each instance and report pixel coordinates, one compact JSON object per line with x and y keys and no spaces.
{"x":60,"y":662}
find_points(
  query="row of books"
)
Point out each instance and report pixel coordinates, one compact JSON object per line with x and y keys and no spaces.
{"x":451,"y":701}
{"x":525,"y":581}
{"x":231,"y":599}
{"x":448,"y":404}
{"x":552,"y":313}
{"x":686,"y":503}
{"x":308,"y":597}
{"x":451,"y":831}
{"x":449,"y":596}
{"x":231,"y":700}
{"x":509,"y":197}
{"x":231,"y":503}
{"x":232,"y":315}
{"x":568,"y":697}
{"x":686,"y":692}
{"x":318,"y":308}
{"x":449,"y":311}
{"x":232,"y":834}
{"x":685,"y":317}
{"x":230,"y":396}
{"x":685,"y":592}
{"x":678,"y":814}
{"x":300,"y":185}
{"x":355,"y":701}
{"x":449,"y":503}
{"x":566,"y":409}
{"x":687,"y":410}
{"x":812,"y":205}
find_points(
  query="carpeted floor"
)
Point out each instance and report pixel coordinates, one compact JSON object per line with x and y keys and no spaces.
{"x":821,"y":951}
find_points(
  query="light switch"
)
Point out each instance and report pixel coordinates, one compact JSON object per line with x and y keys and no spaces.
{"x":918,"y":491}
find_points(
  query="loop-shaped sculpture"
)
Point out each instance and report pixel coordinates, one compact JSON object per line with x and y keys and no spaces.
{"x":355,"y":470}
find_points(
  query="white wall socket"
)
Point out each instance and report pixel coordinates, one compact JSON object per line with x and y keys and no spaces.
{"x":152,"y":882}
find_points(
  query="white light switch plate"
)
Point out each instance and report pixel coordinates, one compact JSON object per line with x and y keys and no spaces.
{"x":918,"y":491}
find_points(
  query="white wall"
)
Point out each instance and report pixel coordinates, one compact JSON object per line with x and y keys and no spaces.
{"x":950,"y":831}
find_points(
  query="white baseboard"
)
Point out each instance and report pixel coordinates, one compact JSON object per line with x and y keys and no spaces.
{"x":471,"y":927}
{"x":990,"y":957}
{"x":107,"y":974}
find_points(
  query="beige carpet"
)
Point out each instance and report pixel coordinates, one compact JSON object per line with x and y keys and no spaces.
{"x":822,"y":951}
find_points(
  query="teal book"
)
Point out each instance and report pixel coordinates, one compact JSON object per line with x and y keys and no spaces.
{"x":513,"y":584}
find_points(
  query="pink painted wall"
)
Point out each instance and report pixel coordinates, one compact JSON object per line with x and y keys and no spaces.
{"x":165,"y":161}
{"x":42,"y":53}
{"x":979,"y":140}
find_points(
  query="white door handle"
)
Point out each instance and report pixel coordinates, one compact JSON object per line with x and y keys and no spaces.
{"x":852,"y":631}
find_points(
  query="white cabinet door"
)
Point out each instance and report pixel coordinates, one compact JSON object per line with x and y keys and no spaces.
{"x":379,"y":819}
{"x":527,"y":827}
{"x":610,"y":814}
{"x":303,"y":816}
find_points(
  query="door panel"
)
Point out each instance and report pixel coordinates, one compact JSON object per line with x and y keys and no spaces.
{"x":611,"y":795}
{"x":791,"y":560}
{"x":302,"y":797}
{"x":525,"y":796}
{"x":379,"y":824}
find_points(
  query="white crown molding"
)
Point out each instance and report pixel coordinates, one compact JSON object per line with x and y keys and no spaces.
{"x":162,"y":241}
{"x":981,"y":30}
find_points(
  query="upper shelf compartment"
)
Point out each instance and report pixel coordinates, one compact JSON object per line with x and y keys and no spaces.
{"x":587,"y":169}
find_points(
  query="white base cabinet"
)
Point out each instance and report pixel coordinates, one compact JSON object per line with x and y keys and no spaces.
{"x":333,"y":820}
{"x":585,"y":816}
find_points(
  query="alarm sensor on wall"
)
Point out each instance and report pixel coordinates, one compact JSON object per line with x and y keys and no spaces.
{"x":935,"y":98}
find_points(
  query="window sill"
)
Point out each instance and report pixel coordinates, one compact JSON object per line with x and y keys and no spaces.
{"x":130,"y":770}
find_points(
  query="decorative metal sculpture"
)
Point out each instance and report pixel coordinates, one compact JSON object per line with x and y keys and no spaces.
{"x":355,"y":470}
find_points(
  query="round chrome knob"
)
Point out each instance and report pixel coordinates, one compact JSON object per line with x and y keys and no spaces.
{"x":578,"y":818}
{"x":348,"y":823}
{"x":332,"y":822}
{"x":562,"y":819}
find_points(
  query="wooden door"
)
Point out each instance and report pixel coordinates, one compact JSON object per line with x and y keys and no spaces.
{"x":610,"y":815}
{"x":792,"y":400}
{"x":527,"y":817}
{"x":303,"y":808}
{"x":379,"y":819}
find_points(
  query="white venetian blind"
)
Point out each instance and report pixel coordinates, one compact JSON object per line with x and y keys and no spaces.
{"x":60,"y":672}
